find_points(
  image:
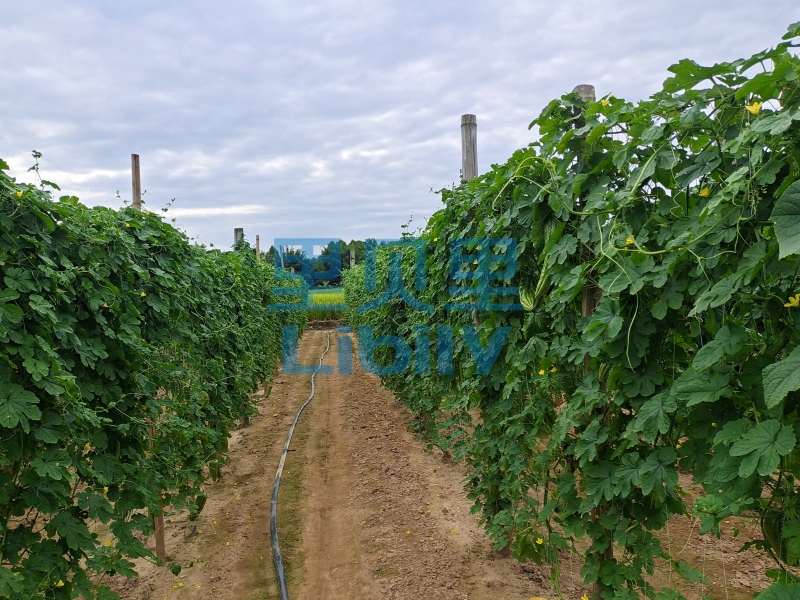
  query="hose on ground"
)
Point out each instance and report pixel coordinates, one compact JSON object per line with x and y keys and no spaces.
{"x":273,"y":517}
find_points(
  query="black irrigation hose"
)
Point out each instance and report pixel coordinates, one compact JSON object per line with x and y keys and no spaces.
{"x":273,"y":517}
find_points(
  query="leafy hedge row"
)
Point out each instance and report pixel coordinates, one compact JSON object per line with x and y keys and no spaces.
{"x":127,"y":355}
{"x":658,"y":248}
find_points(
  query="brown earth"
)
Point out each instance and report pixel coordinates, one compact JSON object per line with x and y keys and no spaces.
{"x":366,"y":513}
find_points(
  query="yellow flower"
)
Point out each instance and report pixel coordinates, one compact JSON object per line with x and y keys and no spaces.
{"x":88,"y":446}
{"x":431,"y":539}
{"x":105,"y":489}
{"x":584,"y":597}
{"x":475,"y":263}
{"x":541,"y":371}
{"x":127,"y":224}
{"x":713,"y":424}
{"x":454,"y":532}
{"x":107,"y":543}
{"x":539,"y":541}
{"x":677,"y":446}
{"x":754,"y":108}
{"x":142,"y":294}
{"x":19,"y":194}
{"x":604,"y":102}
{"x":227,"y":543}
{"x":629,"y":240}
{"x":105,"y":304}
{"x":553,"y":370}
{"x":60,"y":583}
{"x":435,"y":239}
{"x":408,"y":533}
{"x":704,"y":193}
{"x":794,"y":301}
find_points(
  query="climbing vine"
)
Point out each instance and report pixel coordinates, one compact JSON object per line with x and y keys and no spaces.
{"x":658,"y":262}
{"x":126,"y":355}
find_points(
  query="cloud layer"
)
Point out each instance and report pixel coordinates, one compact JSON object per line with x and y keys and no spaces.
{"x":324,"y":118}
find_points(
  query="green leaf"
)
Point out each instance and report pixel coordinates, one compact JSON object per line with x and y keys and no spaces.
{"x":654,"y":416}
{"x":49,"y":429}
{"x":17,"y":406}
{"x":626,"y":474}
{"x":688,"y":74}
{"x":728,"y":341}
{"x":762,"y":446}
{"x":10,"y":313}
{"x":786,"y":216}
{"x":781,"y":591}
{"x":600,"y":481}
{"x":605,"y":319}
{"x":37,"y":368}
{"x":11,"y":582}
{"x":695,"y":388}
{"x":591,"y":438}
{"x":781,"y":378}
{"x":71,"y":529}
{"x":719,"y":294}
{"x":95,"y":504}
{"x":791,"y":532}
{"x":565,"y":248}
{"x":8,"y":295}
{"x":52,"y":463}
{"x":689,"y":573}
{"x":775,"y":124}
{"x":657,"y":471}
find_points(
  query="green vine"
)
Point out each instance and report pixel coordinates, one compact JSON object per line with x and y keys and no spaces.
{"x":683,"y":212}
{"x":127,"y":354}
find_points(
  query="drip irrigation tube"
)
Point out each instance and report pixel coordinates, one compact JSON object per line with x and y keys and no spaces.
{"x":273,"y":517}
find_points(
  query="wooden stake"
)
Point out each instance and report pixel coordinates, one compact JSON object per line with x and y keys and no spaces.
{"x":258,"y":247}
{"x":136,"y":182}
{"x":469,"y":167}
{"x":590,"y":293}
{"x":591,"y":296}
{"x":161,"y":549}
{"x":469,"y":147}
{"x":352,"y":258}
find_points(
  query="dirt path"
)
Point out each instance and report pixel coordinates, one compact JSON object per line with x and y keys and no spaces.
{"x":365,"y":513}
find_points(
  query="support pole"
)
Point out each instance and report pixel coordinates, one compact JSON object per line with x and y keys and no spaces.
{"x":591,"y":294}
{"x":161,"y":548}
{"x":469,"y":167}
{"x":238,"y":236}
{"x":352,"y":258}
{"x":258,"y":247}
{"x":469,"y":147}
{"x":136,"y":182}
{"x":158,"y":518}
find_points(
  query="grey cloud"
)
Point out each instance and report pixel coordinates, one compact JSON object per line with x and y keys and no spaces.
{"x":337,"y":118}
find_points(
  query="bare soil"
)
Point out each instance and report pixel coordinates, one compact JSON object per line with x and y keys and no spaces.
{"x":366,"y":513}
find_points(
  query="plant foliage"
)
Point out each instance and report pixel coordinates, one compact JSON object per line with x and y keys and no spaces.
{"x":127,"y":355}
{"x":675,"y":220}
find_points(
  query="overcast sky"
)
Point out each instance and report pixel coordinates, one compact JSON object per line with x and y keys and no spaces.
{"x":328,"y":118}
